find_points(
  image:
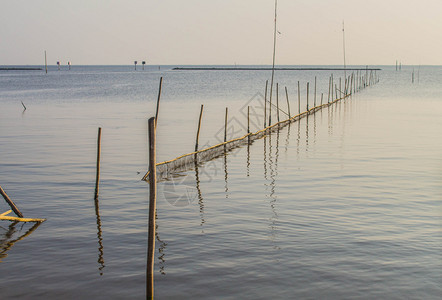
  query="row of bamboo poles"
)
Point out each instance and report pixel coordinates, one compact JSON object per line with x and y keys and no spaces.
{"x":351,"y":84}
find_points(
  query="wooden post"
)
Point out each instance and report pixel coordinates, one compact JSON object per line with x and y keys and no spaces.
{"x":322,"y":97}
{"x":288,"y":103}
{"x":340,"y":88}
{"x":158,"y":100}
{"x":314,"y":102}
{"x":11,"y":203}
{"x":248,"y":119}
{"x":332,"y":85}
{"x":265,"y":105}
{"x":329,"y":85}
{"x":152,"y":209}
{"x":299,"y":99}
{"x":277,"y":101}
{"x":308,"y":84}
{"x":225,"y":125}
{"x":199,"y":127}
{"x":97,"y":178}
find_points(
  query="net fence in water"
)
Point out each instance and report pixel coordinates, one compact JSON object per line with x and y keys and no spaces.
{"x":188,"y":161}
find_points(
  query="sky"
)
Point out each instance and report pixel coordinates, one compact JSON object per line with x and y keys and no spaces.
{"x":220,"y":32}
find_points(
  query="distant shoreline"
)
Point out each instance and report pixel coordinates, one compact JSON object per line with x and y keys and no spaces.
{"x":269,"y":69}
{"x":20,"y":69}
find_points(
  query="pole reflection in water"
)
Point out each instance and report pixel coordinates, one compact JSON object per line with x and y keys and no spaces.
{"x":248,"y":158}
{"x":200,"y":195}
{"x":7,"y":240}
{"x":100,"y":238}
{"x":306,"y":134}
{"x":298,"y":139}
{"x":161,"y":248}
{"x":287,"y":140}
{"x":226,"y":188}
{"x":273,"y":166}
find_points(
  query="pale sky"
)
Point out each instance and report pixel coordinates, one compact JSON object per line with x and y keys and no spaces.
{"x":180,"y":32}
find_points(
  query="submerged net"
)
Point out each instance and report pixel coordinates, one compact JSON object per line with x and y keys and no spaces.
{"x":189,"y":161}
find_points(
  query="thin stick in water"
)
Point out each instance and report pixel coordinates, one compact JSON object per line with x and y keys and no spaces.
{"x":199,"y":128}
{"x":152,"y":210}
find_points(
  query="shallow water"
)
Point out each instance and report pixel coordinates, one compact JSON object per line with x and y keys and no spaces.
{"x":345,"y":204}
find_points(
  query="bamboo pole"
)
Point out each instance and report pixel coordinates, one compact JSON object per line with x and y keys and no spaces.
{"x":158,"y":100}
{"x":329,"y":85}
{"x":277,"y":101}
{"x":265,"y":105}
{"x":248,"y":120}
{"x":4,"y":216}
{"x":308,"y":84}
{"x":322,"y":97}
{"x":11,"y":203}
{"x":273,"y":65}
{"x":340,"y":87}
{"x":152,"y":210}
{"x":199,"y":127}
{"x":225,"y":125}
{"x":288,"y":103}
{"x":97,"y":177}
{"x":332,"y":85}
{"x":314,"y":101}
{"x":299,"y":99}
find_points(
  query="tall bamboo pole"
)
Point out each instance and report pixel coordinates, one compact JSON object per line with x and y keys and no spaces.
{"x":152,"y":209}
{"x":265,"y":105}
{"x":273,"y":65}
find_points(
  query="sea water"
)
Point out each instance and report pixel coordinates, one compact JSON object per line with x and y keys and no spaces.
{"x":343,"y":204}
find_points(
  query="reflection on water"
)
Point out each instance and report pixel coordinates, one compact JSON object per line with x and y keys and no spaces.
{"x":99,"y":236}
{"x":273,"y":167}
{"x":12,"y":235}
{"x":161,"y":249}
{"x":226,"y":186}
{"x":200,"y":195}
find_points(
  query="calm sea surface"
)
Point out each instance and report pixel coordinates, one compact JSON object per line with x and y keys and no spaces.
{"x":344,"y":204}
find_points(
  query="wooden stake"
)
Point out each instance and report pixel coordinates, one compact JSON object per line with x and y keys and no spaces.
{"x":199,"y":127}
{"x":11,"y":203}
{"x":308,"y":84}
{"x":265,"y":105}
{"x":277,"y":100}
{"x":288,"y":103}
{"x":322,"y":97}
{"x":329,"y":85}
{"x":158,"y":100}
{"x":152,"y":209}
{"x":97,"y":178}
{"x":248,"y":119}
{"x":299,"y":99}
{"x":314,"y":102}
{"x":225,"y":126}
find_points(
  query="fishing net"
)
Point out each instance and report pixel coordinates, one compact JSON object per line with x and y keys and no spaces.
{"x":188,"y":161}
